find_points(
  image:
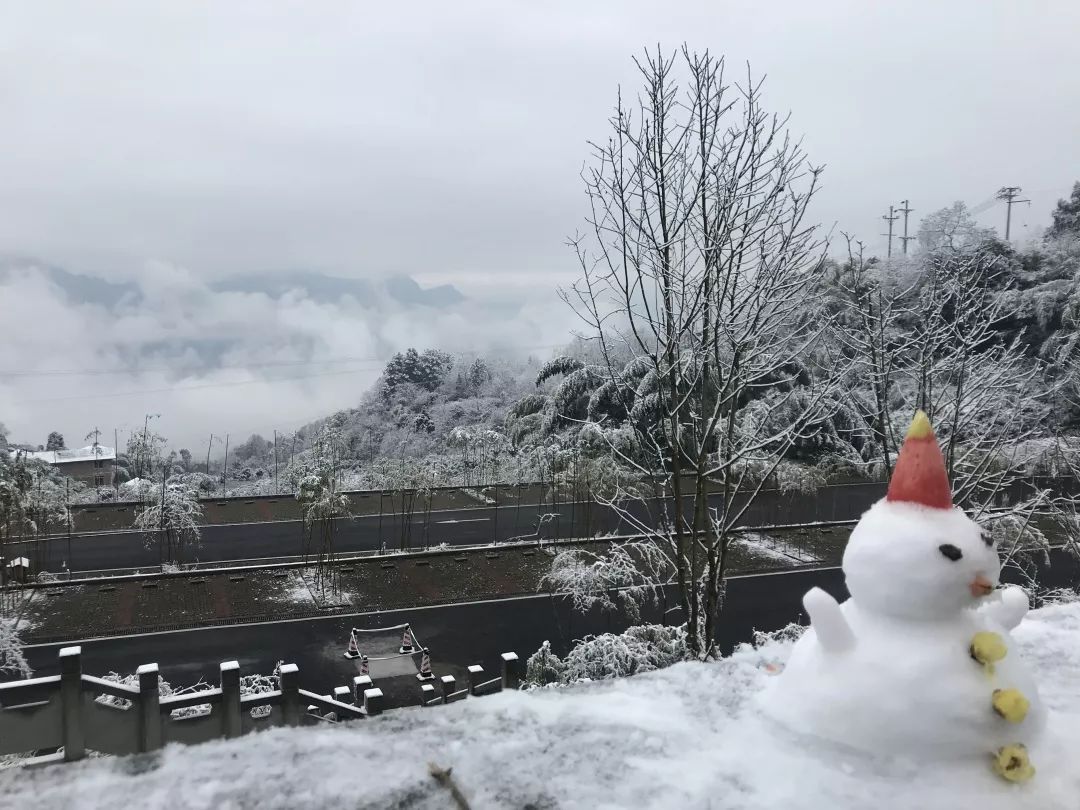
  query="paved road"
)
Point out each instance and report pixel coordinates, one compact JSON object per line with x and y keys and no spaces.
{"x":251,"y":541}
{"x":245,"y":541}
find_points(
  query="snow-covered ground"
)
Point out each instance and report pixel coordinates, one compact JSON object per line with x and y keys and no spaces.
{"x":690,"y":736}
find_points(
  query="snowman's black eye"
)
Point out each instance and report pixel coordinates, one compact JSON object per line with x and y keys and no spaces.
{"x":987,"y":538}
{"x":950,"y":551}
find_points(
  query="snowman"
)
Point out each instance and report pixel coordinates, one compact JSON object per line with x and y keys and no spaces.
{"x":918,"y":663}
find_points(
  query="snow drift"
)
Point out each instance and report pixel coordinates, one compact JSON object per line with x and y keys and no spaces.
{"x":690,"y":736}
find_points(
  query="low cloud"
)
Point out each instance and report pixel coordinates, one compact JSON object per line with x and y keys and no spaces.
{"x":216,"y":360}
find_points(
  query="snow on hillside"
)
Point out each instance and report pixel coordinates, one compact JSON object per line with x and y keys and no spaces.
{"x":690,"y":736}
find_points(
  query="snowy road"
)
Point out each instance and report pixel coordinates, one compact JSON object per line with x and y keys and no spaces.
{"x":245,"y":541}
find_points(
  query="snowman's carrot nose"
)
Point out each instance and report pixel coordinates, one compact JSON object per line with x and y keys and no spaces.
{"x":981,"y":586}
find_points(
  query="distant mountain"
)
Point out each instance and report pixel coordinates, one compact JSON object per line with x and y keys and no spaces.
{"x":326,"y":289}
{"x":85,"y":289}
{"x":78,"y":288}
{"x":407,"y":291}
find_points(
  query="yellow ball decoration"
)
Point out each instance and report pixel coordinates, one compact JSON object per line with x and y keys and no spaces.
{"x":1012,"y":764}
{"x":988,"y":648}
{"x":1011,"y":704}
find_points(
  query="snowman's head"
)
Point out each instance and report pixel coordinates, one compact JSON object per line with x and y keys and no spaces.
{"x":919,"y":562}
{"x":913,"y":553}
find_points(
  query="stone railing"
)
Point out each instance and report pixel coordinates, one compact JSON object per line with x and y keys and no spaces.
{"x":64,"y":713}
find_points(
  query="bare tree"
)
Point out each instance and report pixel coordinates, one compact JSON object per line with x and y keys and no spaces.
{"x":927,"y":334}
{"x":700,"y":264}
{"x":869,"y":331}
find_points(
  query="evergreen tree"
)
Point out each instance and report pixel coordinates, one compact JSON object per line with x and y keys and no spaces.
{"x":55,"y":441}
{"x":1067,"y":215}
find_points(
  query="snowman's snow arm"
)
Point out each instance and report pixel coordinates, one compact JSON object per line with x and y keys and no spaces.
{"x":833,"y":631}
{"x":1009,"y":608}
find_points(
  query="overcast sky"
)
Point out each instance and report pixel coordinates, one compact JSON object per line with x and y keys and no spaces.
{"x":180,"y":142}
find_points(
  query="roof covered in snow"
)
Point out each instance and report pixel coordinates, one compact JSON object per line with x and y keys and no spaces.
{"x":690,"y":736}
{"x":91,"y":453}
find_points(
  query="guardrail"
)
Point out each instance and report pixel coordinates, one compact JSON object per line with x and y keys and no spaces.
{"x":63,"y":713}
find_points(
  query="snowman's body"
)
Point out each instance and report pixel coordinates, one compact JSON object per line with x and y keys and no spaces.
{"x":889,"y":670}
{"x":905,"y":687}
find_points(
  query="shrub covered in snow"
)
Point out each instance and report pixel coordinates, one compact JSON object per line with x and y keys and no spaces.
{"x":641,"y":648}
{"x":544,"y":667}
{"x":249,"y":685}
{"x":12,"y":660}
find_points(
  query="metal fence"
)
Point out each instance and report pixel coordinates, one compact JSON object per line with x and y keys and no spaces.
{"x":63,"y":713}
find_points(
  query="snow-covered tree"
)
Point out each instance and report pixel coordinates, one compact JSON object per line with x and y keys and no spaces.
{"x":699,"y":265}
{"x":629,"y":575}
{"x":952,"y":228}
{"x":171,"y":518}
{"x":426,"y":370}
{"x":323,"y":503}
{"x":146,"y":451}
{"x":55,"y":441}
{"x":1066,"y":216}
{"x":933,"y":333}
{"x":869,"y":306}
{"x":33,"y":501}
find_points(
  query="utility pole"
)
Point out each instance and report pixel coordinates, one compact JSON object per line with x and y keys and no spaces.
{"x":225,"y":470}
{"x":1009,"y":194}
{"x":890,"y":218}
{"x":208,"y":446}
{"x":67,"y":510}
{"x":907,"y":209}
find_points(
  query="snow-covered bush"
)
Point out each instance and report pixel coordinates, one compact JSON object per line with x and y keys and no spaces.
{"x":789,"y":632}
{"x":543,"y":668}
{"x":249,"y":685}
{"x":1057,"y":596}
{"x":641,"y":648}
{"x":137,"y":489}
{"x":12,"y":660}
{"x":203,"y":483}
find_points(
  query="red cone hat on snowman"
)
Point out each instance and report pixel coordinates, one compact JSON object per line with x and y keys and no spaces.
{"x":920,"y":475}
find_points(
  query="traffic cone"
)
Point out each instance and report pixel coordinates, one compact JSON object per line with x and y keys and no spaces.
{"x":425,"y":673}
{"x":364,"y":667}
{"x":406,"y":641}
{"x":354,"y":649}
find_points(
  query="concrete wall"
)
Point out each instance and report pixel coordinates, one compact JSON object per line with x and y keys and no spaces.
{"x":87,"y":473}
